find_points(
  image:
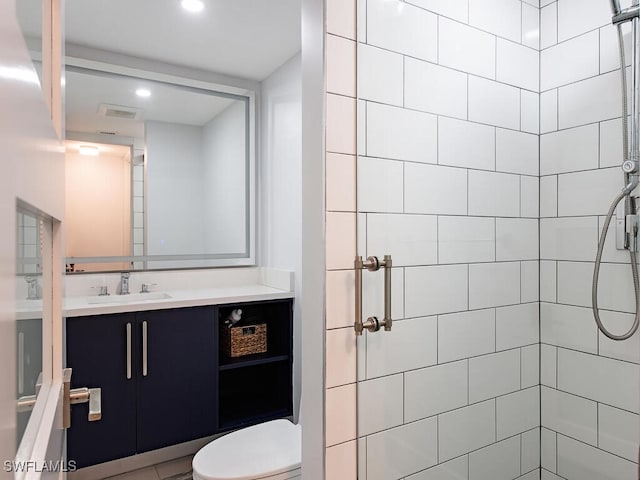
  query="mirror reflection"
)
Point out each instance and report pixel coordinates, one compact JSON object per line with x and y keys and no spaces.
{"x":154,"y":170}
{"x":29,"y":312}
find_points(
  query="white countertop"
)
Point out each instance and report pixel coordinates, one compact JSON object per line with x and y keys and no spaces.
{"x":213,"y":287}
{"x":80,"y":306}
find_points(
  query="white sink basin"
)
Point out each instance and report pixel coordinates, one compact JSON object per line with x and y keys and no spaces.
{"x":131,"y":298}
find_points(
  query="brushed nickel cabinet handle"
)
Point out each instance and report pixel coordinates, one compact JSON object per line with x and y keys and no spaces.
{"x":129,"y":351}
{"x":144,"y":348}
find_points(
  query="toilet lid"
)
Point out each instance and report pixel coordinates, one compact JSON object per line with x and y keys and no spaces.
{"x":255,"y":452}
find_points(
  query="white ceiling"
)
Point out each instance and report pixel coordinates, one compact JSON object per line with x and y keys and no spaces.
{"x":167,"y":103}
{"x":243,"y":38}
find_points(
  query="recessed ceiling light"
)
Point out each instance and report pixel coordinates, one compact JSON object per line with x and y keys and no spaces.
{"x":193,"y":5}
{"x":89,"y":150}
{"x":143,"y":92}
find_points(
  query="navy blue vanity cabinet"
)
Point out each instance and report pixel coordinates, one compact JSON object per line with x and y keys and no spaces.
{"x":177,"y":390}
{"x":97,"y":353}
{"x":170,"y":396}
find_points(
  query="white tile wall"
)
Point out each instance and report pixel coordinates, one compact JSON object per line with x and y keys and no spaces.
{"x":530,"y":112}
{"x":494,"y":375}
{"x":500,"y":461}
{"x":516,"y":152}
{"x":401,"y":134}
{"x":402,"y":28}
{"x":380,"y":75}
{"x":618,"y":432}
{"x":577,"y":16}
{"x":549,"y":25}
{"x":434,"y":189}
{"x":436,"y":289}
{"x":466,"y":429}
{"x":516,"y":239}
{"x":518,"y":65}
{"x":413,"y":239}
{"x":466,"y":239}
{"x":467,"y":334}
{"x":548,"y":449}
{"x":454,"y":134}
{"x":456,"y":469}
{"x":571,"y":238}
{"x":517,"y":326}
{"x":435,"y":89}
{"x":531,"y":25}
{"x":548,"y":112}
{"x":494,"y":284}
{"x":530,"y":366}
{"x":411,"y":344}
{"x":433,"y":390}
{"x":568,"y":326}
{"x":403,"y":450}
{"x":530,"y":461}
{"x":569,"y":150}
{"x":388,"y":196}
{"x":494,"y":103}
{"x":579,"y":460}
{"x":478,"y":150}
{"x":500,"y":17}
{"x":588,"y":193}
{"x":585,"y":61}
{"x":601,"y":379}
{"x":570,"y":415}
{"x":465,"y":48}
{"x":590,"y":100}
{"x":529,"y":197}
{"x":548,"y":365}
{"x":518,"y":412}
{"x":456,"y":9}
{"x":494,"y":194}
{"x":386,"y":411}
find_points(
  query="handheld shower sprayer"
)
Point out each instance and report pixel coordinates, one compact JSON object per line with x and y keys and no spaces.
{"x":628,"y":223}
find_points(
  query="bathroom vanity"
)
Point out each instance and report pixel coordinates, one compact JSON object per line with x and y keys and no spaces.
{"x":164,"y":378}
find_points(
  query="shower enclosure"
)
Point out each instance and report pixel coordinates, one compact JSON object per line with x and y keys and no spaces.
{"x":487,"y":152}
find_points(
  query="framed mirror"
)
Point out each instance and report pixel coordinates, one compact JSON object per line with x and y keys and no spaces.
{"x":158,"y":174}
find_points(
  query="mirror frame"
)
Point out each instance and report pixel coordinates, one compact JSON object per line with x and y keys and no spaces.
{"x":189,"y":261}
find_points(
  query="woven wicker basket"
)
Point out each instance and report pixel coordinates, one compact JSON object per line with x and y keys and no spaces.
{"x":243,"y":340}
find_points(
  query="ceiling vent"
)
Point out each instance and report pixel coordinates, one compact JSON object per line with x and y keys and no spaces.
{"x":119,"y":111}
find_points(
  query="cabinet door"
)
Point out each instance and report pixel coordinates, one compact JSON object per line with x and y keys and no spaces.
{"x":97,"y":353}
{"x":177,"y":390}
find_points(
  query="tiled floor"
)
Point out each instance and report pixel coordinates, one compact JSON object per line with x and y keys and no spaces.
{"x":179,"y":469}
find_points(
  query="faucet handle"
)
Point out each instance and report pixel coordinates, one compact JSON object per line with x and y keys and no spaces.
{"x":103,"y":290}
{"x":145,"y":287}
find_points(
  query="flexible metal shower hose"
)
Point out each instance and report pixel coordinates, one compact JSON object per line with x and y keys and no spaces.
{"x":605,"y":228}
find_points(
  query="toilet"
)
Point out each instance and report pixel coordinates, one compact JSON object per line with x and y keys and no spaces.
{"x":270,"y":451}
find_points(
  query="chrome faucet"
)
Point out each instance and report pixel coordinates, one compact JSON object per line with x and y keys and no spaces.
{"x":32,"y":288}
{"x":124,"y":283}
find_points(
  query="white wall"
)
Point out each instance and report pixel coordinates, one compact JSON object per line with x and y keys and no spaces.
{"x":174,"y":189}
{"x":590,"y":384}
{"x":224,"y":145}
{"x":33,"y":170}
{"x":280,"y":174}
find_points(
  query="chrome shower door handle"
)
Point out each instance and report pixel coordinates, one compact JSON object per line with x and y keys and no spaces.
{"x":372,"y":324}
